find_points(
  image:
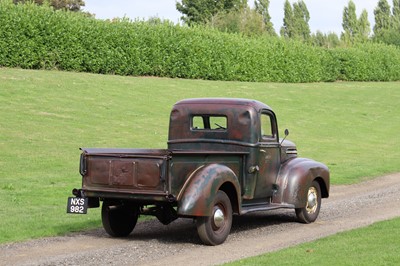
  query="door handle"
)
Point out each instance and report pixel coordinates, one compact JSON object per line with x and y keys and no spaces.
{"x":253,"y":169}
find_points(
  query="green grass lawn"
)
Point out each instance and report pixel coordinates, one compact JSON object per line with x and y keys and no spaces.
{"x":377,"y":244}
{"x":47,"y":115}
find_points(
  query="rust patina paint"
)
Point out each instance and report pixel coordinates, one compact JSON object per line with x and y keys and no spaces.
{"x":256,"y":171}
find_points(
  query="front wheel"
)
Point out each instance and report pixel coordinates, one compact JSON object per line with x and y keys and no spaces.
{"x":309,"y":213}
{"x":213,"y":230}
{"x":119,"y":218}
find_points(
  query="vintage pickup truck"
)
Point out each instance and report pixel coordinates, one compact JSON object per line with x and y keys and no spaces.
{"x":224,"y":157}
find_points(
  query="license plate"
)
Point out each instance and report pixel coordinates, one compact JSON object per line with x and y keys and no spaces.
{"x":77,"y":205}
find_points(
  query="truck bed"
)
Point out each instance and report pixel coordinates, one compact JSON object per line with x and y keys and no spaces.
{"x":118,"y":172}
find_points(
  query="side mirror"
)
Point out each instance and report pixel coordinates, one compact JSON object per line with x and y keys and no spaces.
{"x":286,"y":134}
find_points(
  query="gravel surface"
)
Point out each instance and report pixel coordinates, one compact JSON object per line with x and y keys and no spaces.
{"x":152,"y":243}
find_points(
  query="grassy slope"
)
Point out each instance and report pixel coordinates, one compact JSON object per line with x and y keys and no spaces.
{"x":47,"y":115}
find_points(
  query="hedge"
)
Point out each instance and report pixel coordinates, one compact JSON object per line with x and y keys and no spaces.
{"x":37,"y":37}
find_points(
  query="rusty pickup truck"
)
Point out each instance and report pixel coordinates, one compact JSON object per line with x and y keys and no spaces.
{"x":224,"y":158}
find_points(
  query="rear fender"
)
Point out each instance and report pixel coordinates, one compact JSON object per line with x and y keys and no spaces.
{"x":197,"y":196}
{"x":294,"y":179}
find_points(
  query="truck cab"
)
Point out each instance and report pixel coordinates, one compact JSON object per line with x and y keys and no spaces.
{"x":247,"y":127}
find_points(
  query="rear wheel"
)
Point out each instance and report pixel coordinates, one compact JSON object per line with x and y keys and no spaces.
{"x":119,"y":218}
{"x":309,"y":213}
{"x":213,"y":230}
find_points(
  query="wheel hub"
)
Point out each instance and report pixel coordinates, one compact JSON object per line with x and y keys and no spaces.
{"x":312,"y":200}
{"x":219,"y":218}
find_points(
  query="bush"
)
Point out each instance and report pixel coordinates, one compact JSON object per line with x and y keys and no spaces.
{"x":369,"y":62}
{"x":38,"y":37}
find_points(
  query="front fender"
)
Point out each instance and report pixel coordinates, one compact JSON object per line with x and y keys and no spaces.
{"x":294,"y":179}
{"x":197,"y":196}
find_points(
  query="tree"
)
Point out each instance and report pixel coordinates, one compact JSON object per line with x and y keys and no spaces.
{"x":318,"y":39}
{"x":382,"y":18}
{"x":396,"y":15}
{"x":355,"y":30}
{"x":261,"y":7}
{"x":246,"y":21}
{"x":363,"y":27}
{"x":71,"y":5}
{"x":387,"y":23}
{"x":330,"y":40}
{"x":201,"y":11}
{"x":287,"y":29}
{"x":295,"y":21}
{"x":349,"y":23}
{"x":301,"y":19}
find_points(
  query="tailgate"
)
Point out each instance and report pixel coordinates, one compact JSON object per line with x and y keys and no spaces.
{"x":124,"y":170}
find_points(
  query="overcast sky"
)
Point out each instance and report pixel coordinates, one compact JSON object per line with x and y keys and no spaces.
{"x":326,"y":15}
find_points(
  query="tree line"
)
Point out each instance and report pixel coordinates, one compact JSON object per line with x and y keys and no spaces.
{"x":236,"y":16}
{"x":71,"y":5}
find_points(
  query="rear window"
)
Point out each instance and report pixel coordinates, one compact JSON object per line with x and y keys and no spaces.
{"x":209,"y":122}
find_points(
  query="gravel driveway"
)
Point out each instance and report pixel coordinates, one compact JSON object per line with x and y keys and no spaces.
{"x":152,"y":243}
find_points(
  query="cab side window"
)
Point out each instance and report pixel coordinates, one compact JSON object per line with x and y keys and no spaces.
{"x":266,"y":126}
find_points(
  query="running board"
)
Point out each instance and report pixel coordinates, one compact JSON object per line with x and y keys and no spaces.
{"x":264,"y":207}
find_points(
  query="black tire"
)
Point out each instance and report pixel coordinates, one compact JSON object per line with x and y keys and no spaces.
{"x":213,"y":230}
{"x":119,"y":218}
{"x":309,"y":213}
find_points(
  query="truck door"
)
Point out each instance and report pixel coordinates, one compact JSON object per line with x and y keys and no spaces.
{"x":268,"y":155}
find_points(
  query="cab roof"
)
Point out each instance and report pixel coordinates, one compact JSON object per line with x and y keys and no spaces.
{"x":257,"y":105}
